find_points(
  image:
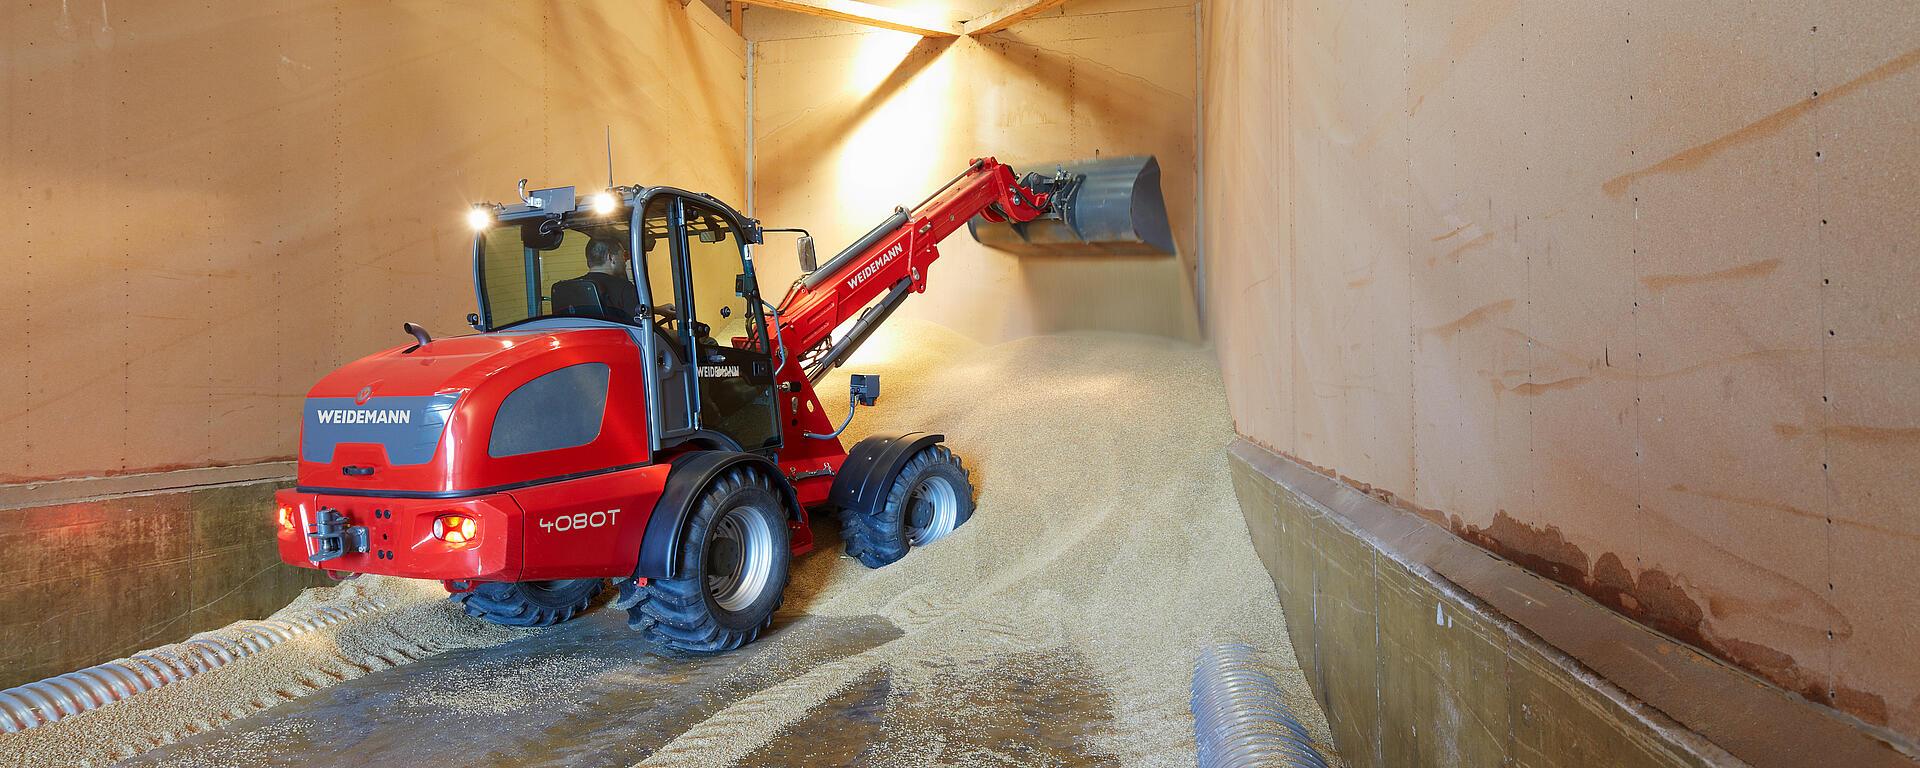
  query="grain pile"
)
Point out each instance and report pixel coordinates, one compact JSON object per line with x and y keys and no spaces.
{"x":1106,"y":531}
{"x":1059,"y":626}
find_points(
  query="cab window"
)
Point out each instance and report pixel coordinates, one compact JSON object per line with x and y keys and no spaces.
{"x":556,"y":268}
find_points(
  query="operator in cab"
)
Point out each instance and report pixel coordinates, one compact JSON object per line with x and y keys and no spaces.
{"x":607,"y":270}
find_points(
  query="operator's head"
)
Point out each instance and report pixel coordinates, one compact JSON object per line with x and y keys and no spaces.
{"x":605,"y":254}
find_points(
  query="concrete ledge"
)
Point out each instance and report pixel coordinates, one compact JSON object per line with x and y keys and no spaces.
{"x":83,"y":582}
{"x":45,"y":492}
{"x":1427,"y":650}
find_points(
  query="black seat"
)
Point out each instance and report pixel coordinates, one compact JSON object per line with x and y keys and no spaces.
{"x":578,"y":296}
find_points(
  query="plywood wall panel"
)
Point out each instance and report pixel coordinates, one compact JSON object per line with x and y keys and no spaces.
{"x":1727,"y":298}
{"x":15,"y":289}
{"x":218,"y":204}
{"x":850,"y":122}
{"x":1568,"y":249}
{"x":1346,"y":128}
{"x":55,"y":258}
{"x":1869,"y":435}
{"x":1255,"y":311}
{"x":1470,"y":453}
{"x":1642,"y":261}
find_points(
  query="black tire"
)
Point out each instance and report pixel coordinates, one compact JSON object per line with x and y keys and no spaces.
{"x":733,"y":565}
{"x":932,"y":496}
{"x":529,"y":603}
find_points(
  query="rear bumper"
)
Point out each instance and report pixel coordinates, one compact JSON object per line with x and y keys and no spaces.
{"x":400,"y":540}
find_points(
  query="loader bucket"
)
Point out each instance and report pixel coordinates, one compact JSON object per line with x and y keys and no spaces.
{"x":1107,"y":207}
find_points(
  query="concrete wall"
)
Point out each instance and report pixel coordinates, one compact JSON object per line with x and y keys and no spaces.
{"x":89,"y":580}
{"x":211,"y":205}
{"x":1625,"y":293}
{"x":850,"y":121}
{"x":1425,"y":651}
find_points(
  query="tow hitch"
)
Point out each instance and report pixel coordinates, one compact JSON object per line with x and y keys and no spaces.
{"x":333,"y":537}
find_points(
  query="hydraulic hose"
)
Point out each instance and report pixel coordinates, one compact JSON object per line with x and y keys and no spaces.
{"x":971,"y":167}
{"x":853,"y":404}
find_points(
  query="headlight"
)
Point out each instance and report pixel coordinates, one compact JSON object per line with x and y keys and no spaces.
{"x":479,"y":218}
{"x":604,"y":204}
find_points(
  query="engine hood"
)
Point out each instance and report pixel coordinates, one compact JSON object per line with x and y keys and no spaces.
{"x":418,"y":419}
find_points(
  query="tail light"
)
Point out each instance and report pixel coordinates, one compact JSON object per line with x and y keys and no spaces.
{"x":286,"y":518}
{"x":455,"y":529}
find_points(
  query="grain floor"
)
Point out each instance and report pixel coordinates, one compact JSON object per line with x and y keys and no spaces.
{"x":1058,"y":627}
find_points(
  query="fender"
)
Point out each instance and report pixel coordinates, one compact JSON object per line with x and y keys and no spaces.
{"x":691,"y":474}
{"x":872,"y":466}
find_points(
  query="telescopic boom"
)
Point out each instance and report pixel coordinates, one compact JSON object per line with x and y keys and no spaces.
{"x":890,"y":262}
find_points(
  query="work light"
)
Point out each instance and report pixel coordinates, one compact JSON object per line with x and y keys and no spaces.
{"x":454,"y":529}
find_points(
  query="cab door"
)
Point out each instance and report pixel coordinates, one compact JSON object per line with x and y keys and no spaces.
{"x":671,"y":386}
{"x":716,"y":319}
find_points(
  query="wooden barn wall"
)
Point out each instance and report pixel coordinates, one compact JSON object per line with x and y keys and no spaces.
{"x":850,"y":121}
{"x":209,"y":205}
{"x":1626,"y":292}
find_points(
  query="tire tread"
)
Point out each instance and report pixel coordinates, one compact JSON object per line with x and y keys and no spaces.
{"x":673,"y":614}
{"x":509,"y":603}
{"x":880,"y":537}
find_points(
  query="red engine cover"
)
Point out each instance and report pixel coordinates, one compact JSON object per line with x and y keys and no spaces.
{"x":397,"y":439}
{"x":422,"y":421}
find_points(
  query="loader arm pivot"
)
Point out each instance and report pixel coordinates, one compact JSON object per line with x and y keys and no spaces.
{"x":891,"y":262}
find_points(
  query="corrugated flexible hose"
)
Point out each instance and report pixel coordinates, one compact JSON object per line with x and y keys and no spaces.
{"x":57,"y":698}
{"x":1239,"y":718}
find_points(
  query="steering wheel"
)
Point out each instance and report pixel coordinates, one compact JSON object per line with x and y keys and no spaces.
{"x":671,"y":314}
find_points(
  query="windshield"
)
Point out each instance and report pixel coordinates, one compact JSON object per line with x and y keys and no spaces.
{"x":547,"y":268}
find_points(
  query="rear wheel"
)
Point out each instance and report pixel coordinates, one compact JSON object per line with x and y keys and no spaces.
{"x":529,"y":603}
{"x":932,"y":496}
{"x":733,"y":571}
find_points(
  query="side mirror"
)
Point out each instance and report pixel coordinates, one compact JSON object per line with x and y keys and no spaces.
{"x":808,"y":260}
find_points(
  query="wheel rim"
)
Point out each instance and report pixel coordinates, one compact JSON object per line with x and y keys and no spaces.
{"x":740,"y":558}
{"x":933,"y":510}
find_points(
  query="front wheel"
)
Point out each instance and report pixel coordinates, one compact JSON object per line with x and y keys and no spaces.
{"x":733,"y":571}
{"x":931,"y":497}
{"x":529,"y":603}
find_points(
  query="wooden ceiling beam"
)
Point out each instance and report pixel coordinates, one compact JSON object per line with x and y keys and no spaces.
{"x":1006,"y":16}
{"x":865,"y":13}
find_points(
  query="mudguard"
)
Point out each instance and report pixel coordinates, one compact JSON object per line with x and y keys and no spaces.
{"x":692,"y":472}
{"x":871,"y":468}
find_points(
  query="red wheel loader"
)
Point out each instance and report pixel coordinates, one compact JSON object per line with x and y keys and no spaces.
{"x":632,"y":409}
